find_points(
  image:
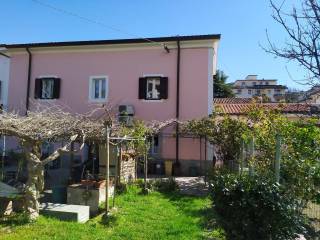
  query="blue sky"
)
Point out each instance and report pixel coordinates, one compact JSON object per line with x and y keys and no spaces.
{"x":241,"y":23}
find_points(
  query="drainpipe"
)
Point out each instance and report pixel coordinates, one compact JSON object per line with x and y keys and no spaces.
{"x":29,"y":78}
{"x":178,"y":101}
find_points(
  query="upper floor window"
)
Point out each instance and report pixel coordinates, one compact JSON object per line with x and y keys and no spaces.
{"x":153,"y":88}
{"x":98,"y":88}
{"x":243,"y":84}
{"x":239,"y":91}
{"x":254,"y":83}
{"x":267,"y":83}
{"x":47,"y":88}
{"x":249,"y":91}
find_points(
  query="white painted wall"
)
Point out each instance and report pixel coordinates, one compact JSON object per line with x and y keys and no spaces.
{"x":4,"y":78}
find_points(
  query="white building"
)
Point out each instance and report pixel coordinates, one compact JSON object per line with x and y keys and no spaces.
{"x":251,"y":86}
{"x":4,"y":80}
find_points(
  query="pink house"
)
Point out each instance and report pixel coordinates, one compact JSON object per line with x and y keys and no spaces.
{"x":155,"y":79}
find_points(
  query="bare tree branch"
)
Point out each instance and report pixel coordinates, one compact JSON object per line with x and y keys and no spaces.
{"x":302,"y":26}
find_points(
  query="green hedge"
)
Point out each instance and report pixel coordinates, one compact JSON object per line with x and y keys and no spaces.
{"x":251,"y":208}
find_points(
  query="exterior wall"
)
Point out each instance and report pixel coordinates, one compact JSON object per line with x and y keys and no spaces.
{"x":4,"y":78}
{"x":273,"y":92}
{"x":245,"y":94}
{"x":123,"y":69}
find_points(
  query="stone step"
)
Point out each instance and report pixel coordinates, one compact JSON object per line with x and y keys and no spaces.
{"x":66,"y":212}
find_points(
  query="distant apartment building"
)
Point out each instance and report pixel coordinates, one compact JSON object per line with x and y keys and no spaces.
{"x":251,"y":87}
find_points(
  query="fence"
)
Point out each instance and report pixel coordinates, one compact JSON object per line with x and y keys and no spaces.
{"x":313,"y":212}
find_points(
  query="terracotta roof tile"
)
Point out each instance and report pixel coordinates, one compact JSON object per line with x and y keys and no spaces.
{"x":244,"y":108}
{"x":231,"y":100}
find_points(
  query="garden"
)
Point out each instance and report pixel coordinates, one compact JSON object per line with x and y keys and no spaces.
{"x":263,"y":184}
{"x":158,"y":215}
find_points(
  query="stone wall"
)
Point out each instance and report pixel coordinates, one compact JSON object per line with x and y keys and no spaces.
{"x":127,"y":168}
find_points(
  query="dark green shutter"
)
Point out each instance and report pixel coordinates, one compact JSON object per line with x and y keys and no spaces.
{"x":56,"y":87}
{"x":142,"y":88}
{"x":164,"y":88}
{"x":38,"y":88}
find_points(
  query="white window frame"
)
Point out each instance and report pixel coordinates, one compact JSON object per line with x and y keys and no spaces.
{"x":91,"y":95}
{"x":153,"y":75}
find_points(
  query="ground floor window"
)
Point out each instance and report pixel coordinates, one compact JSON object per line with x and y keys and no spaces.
{"x":154,"y":144}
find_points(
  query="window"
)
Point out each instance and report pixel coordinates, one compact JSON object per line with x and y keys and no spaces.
{"x":154,"y":144}
{"x":254,"y":83}
{"x":269,"y":91}
{"x":243,"y":84}
{"x":153,"y":88}
{"x":47,"y":88}
{"x":258,"y":91}
{"x":267,"y":83}
{"x":239,"y":91}
{"x":249,"y":91}
{"x":98,"y":88}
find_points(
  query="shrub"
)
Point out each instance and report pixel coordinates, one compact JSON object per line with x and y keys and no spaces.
{"x":166,"y":185}
{"x":161,"y":185}
{"x":255,"y":207}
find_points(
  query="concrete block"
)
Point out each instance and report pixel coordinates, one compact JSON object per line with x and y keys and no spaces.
{"x":78,"y":194}
{"x":77,"y":213}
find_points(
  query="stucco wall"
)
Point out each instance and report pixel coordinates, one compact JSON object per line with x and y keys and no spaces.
{"x":123,"y":69}
{"x":4,"y":78}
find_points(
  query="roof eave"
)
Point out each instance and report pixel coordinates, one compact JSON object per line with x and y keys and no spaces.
{"x":114,"y":41}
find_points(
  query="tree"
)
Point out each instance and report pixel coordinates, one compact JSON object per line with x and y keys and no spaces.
{"x":220,"y":88}
{"x":302,"y":26}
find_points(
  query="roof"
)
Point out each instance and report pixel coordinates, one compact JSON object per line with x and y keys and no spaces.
{"x":261,"y":87}
{"x":243,"y":108}
{"x":232,"y":100}
{"x":114,"y":41}
{"x":256,"y":80}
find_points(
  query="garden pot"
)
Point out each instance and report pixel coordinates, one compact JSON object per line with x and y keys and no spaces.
{"x":168,"y":167}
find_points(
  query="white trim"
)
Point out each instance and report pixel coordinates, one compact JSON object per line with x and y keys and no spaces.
{"x":210,"y":80}
{"x":90,"y":97}
{"x":47,"y":76}
{"x":153,"y":75}
{"x":4,"y":78}
{"x":153,"y":100}
{"x":209,"y":43}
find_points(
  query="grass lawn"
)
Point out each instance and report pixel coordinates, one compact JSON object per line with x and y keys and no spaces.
{"x":153,"y":216}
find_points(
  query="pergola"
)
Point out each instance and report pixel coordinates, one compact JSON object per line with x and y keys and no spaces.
{"x":55,"y":125}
